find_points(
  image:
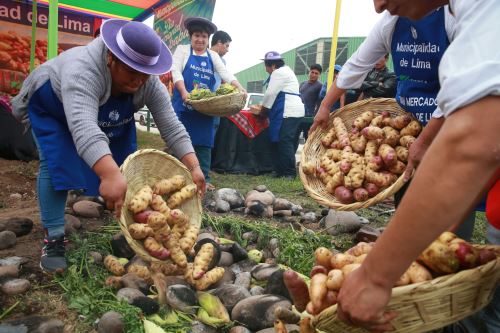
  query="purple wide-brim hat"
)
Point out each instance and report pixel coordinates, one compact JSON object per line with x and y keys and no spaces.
{"x":272,"y":55}
{"x":201,"y":21}
{"x":137,"y":45}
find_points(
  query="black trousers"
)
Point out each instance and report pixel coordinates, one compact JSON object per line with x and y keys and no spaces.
{"x":284,"y":150}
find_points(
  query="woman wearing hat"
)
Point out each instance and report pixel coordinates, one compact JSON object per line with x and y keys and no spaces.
{"x":81,"y":108}
{"x":284,"y":107}
{"x":194,"y":66}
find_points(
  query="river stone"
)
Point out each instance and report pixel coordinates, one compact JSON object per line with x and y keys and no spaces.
{"x":239,"y":329}
{"x":34,"y":324}
{"x":96,"y":257}
{"x":257,"y":208}
{"x":230,"y":294}
{"x":234,"y":198}
{"x":309,"y":217}
{"x":296,"y":209}
{"x":266,"y":198}
{"x":266,"y":254}
{"x":11,"y":271}
{"x":367,"y":234}
{"x":282,"y":204}
{"x":257,"y":312}
{"x":18,"y":225}
{"x":250,"y":236}
{"x":111,"y":322}
{"x":72,"y":224}
{"x":15,"y":286}
{"x":226,"y":259}
{"x":239,"y":252}
{"x":128,"y":294}
{"x":243,"y":266}
{"x":260,"y":188}
{"x":243,"y":279}
{"x":222,"y":206}
{"x":256,"y":290}
{"x":172,"y":280}
{"x":120,"y":247}
{"x":282,"y":213}
{"x":227,"y":278}
{"x":276,"y":285}
{"x":199,"y":327}
{"x":88,"y":209}
{"x":7,"y":239}
{"x":226,"y":247}
{"x":289,"y":328}
{"x":182,"y":298}
{"x":262,"y":272}
{"x":132,"y":280}
{"x":148,"y":305}
{"x":337,"y":223}
{"x":204,"y":235}
{"x":15,"y":261}
{"x":271,"y":261}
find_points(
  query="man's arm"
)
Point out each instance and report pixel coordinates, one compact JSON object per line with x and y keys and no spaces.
{"x":453,"y":174}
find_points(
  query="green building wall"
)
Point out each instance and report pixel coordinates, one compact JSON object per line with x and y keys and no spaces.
{"x":316,"y":51}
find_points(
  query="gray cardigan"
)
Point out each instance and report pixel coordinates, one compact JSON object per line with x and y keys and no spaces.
{"x":82,"y":82}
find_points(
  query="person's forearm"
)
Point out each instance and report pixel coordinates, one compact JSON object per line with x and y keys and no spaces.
{"x":181,"y":87}
{"x":105,"y":167}
{"x":190,"y":161}
{"x":333,"y":94}
{"x":454,"y":172}
{"x":431,"y":130}
{"x":238,"y":85}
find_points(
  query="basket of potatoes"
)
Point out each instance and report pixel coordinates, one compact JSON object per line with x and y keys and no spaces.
{"x":360,"y":159}
{"x":161,"y":215}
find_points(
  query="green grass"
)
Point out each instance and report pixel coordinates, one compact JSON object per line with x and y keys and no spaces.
{"x":149,"y":140}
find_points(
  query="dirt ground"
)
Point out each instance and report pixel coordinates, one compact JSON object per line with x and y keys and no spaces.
{"x":44,"y":297}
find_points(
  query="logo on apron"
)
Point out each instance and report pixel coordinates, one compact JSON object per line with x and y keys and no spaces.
{"x":414,"y":33}
{"x":114,"y":115}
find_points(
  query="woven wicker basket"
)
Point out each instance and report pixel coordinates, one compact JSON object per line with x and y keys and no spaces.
{"x":313,"y":149}
{"x":220,"y":106}
{"x":145,"y":167}
{"x":432,"y":304}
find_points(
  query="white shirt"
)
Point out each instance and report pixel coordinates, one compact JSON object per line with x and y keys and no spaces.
{"x":180,"y":59}
{"x":470,"y":67}
{"x":284,"y":79}
{"x":376,"y":45}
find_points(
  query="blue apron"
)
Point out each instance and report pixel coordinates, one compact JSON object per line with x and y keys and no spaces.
{"x":416,"y":49}
{"x":198,"y":73}
{"x":68,"y":171}
{"x":276,"y":115}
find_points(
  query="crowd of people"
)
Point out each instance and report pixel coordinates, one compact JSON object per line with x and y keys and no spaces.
{"x":80,"y":108}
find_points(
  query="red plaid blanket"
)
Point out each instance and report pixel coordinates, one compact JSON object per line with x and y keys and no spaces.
{"x":249,"y":124}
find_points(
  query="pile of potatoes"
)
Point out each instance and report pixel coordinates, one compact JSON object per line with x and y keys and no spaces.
{"x":164,"y":229}
{"x":446,"y":255}
{"x":356,"y":165}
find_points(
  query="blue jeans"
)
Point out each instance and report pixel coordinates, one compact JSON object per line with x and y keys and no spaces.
{"x":204,"y":155}
{"x":52,"y":203}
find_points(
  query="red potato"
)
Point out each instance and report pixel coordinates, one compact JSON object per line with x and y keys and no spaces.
{"x":388,"y":154}
{"x":343,"y":194}
{"x":373,"y":133}
{"x":308,"y":168}
{"x":403,"y":280}
{"x":317,"y":289}
{"x":297,"y":288}
{"x":402,"y":153}
{"x":360,"y":194}
{"x":360,"y":248}
{"x":467,"y":255}
{"x":335,"y":279}
{"x":372,"y":189}
{"x":418,"y":273}
{"x":142,"y":217}
{"x":447,"y":237}
{"x":331,"y":298}
{"x":323,"y":256}
{"x":412,"y":129}
{"x":348,"y":269}
{"x":398,"y":168}
{"x":400,"y":122}
{"x":318,"y":269}
{"x":406,"y":141}
{"x":345,"y":166}
{"x":485,"y":256}
{"x":375,"y":163}
{"x":360,"y":259}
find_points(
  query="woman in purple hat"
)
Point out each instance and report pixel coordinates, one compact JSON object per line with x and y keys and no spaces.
{"x":81,"y":108}
{"x":194,"y":67}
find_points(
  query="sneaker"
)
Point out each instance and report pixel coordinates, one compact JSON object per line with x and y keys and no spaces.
{"x":53,"y":260}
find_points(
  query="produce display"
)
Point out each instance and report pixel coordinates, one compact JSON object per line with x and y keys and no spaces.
{"x":355,"y":165}
{"x":447,"y":254}
{"x":165,"y":233}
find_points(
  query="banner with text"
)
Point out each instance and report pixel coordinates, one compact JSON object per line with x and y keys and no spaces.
{"x":169,"y":24}
{"x":15,"y":38}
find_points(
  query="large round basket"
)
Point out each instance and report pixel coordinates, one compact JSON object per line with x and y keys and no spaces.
{"x":220,"y":106}
{"x":313,"y":149}
{"x":429,"y":305}
{"x":145,"y":167}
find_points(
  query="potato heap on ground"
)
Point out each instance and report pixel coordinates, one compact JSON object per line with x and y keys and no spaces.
{"x":164,"y":229}
{"x":357,"y":164}
{"x":448,"y":254}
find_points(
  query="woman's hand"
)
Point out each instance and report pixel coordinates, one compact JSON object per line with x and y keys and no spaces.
{"x":415,"y":154}
{"x":184,"y":95}
{"x":199,"y":180}
{"x":362,"y":303}
{"x":320,"y":119}
{"x":113,"y":189}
